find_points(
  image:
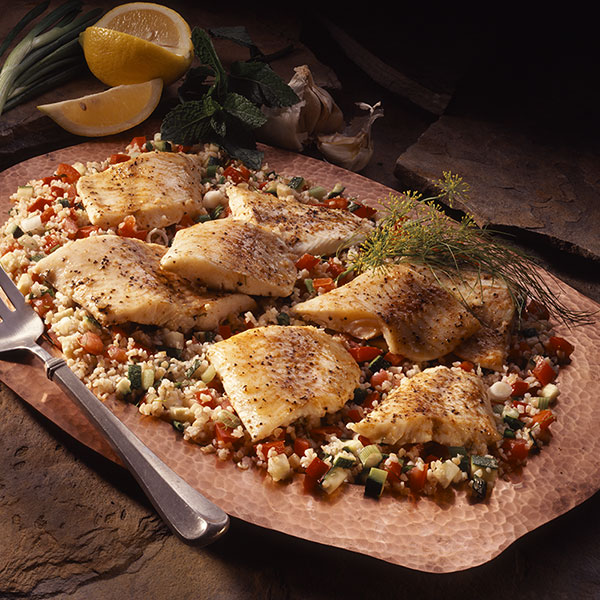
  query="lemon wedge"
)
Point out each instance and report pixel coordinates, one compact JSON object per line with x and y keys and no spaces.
{"x":115,"y":110}
{"x":137,"y":42}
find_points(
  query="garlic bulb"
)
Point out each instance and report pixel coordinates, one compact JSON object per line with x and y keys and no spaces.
{"x":292,"y":127}
{"x":353,"y":148}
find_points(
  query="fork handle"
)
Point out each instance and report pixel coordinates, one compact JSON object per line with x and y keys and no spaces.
{"x":190,"y":515}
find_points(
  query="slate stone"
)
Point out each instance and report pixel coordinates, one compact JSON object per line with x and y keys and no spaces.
{"x":516,"y":179}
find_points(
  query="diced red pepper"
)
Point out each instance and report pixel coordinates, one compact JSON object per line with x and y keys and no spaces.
{"x":186,"y":221}
{"x":42,"y":304}
{"x":86,"y":231}
{"x":365,"y":353}
{"x":379,"y":377}
{"x":543,"y":371}
{"x":519,"y":387}
{"x":278,"y":446}
{"x":326,"y":430}
{"x":92,"y":343}
{"x":417,"y":478}
{"x":355,"y":414}
{"x":138,"y":141}
{"x":70,"y":227}
{"x":50,"y":242}
{"x":118,"y":158}
{"x":67,"y":173}
{"x":317,"y":468}
{"x":337,"y":203}
{"x":394,"y":471}
{"x":558,"y":345}
{"x":48,"y":213}
{"x":365,"y":441}
{"x":117,"y":354}
{"x":224,"y":434}
{"x":326,"y":284}
{"x":225,"y":331}
{"x":516,"y":450}
{"x":307,"y":261}
{"x":544,"y":419}
{"x":48,"y":180}
{"x":467,"y":365}
{"x":128,"y":228}
{"x":39,"y":204}
{"x":394,"y":359}
{"x":364,"y":212}
{"x":370,"y":400}
{"x":333,"y":268}
{"x":206,"y":399}
{"x":538,"y":310}
{"x":237,"y":174}
{"x":301,"y":445}
{"x":54,"y":339}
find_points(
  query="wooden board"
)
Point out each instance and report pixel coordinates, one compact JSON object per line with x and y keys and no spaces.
{"x":433,"y":536}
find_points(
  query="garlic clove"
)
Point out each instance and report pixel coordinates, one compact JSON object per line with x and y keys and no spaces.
{"x":353,"y":148}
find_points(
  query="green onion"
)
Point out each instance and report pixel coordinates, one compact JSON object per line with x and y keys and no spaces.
{"x":47,"y":56}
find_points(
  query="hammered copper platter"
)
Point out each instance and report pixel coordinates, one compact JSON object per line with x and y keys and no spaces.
{"x":442,"y":536}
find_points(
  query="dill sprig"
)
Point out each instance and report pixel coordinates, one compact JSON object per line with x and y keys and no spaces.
{"x":416,"y":230}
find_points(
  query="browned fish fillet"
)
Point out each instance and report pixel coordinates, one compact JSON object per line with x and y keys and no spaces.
{"x":448,"y":406}
{"x":416,"y":315}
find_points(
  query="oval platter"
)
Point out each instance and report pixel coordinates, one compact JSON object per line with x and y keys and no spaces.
{"x":441,"y":536}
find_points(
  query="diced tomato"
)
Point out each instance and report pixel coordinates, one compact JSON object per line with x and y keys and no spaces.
{"x":215,"y":384}
{"x":117,"y":158}
{"x":92,"y":343}
{"x":467,"y":365}
{"x":538,"y":310}
{"x":394,"y":359}
{"x":307,"y":261}
{"x":50,"y":242}
{"x":417,"y":478}
{"x":326,"y":284}
{"x":42,"y":304}
{"x":206,"y":399}
{"x":394,"y":471}
{"x":317,"y":468}
{"x":301,"y":445}
{"x":365,"y":441}
{"x":67,"y":173}
{"x":138,"y":141}
{"x":519,"y":387}
{"x":365,"y":353}
{"x":379,"y":377}
{"x":544,"y":419}
{"x":48,"y":213}
{"x":117,"y":354}
{"x":355,"y":414}
{"x":337,"y":203}
{"x":54,"y":339}
{"x":370,"y":400}
{"x":225,"y":331}
{"x":333,"y":268}
{"x":557,"y":345}
{"x":364,"y":212}
{"x":128,"y":228}
{"x":224,"y":434}
{"x":543,"y":371}
{"x":326,"y":430}
{"x":516,"y":450}
{"x":48,"y":180}
{"x":237,"y":174}
{"x":309,"y":484}
{"x":39,"y":204}
{"x":86,"y":231}
{"x":70,"y":227}
{"x":266,"y":447}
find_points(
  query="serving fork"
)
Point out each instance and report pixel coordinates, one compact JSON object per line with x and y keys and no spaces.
{"x":191,"y":516}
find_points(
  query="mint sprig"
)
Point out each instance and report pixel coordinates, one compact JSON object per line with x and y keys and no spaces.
{"x":225,"y":108}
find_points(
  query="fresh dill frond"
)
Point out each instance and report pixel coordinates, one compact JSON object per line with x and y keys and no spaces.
{"x":416,"y":230}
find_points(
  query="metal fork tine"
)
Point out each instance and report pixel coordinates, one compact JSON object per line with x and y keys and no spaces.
{"x":10,"y":289}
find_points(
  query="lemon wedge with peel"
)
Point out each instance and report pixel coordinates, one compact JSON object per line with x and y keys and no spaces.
{"x":115,"y":110}
{"x":136,"y":42}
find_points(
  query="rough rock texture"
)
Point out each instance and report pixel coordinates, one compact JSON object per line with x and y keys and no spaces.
{"x":515,"y":180}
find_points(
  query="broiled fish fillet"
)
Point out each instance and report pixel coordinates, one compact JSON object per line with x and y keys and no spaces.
{"x":274,"y":375}
{"x":232,"y":255}
{"x":491,"y":302}
{"x":304,"y":228}
{"x":448,"y":406}
{"x":119,"y":279}
{"x":157,"y":188}
{"x":416,"y":315}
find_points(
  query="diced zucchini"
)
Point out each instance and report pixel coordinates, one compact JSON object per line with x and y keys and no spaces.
{"x":479,"y":487}
{"x":510,"y":411}
{"x":134,"y":374}
{"x":163,"y":146}
{"x":445,"y":472}
{"x":360,"y":395}
{"x":485,"y":467}
{"x":379,"y":363}
{"x":375,"y":482}
{"x":345,"y":460}
{"x":354,"y":446}
{"x":549,"y":391}
{"x":337,"y":190}
{"x":278,"y":467}
{"x":296,"y":183}
{"x":309,"y":285}
{"x":509,"y":433}
{"x":209,"y":374}
{"x":17,"y":232}
{"x":271,"y":188}
{"x":211,"y":171}
{"x":123,"y":387}
{"x":174,"y":339}
{"x":24,"y":192}
{"x":370,"y":456}
{"x":333,"y":479}
{"x":465,"y":463}
{"x":283,"y":318}
{"x":178,"y":425}
{"x":317,"y":192}
{"x":513,"y":423}
{"x":147,"y":378}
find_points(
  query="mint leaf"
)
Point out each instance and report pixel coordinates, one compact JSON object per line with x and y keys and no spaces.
{"x":238,"y":34}
{"x":260,"y":84}
{"x":244,"y":110}
{"x":205,"y":51}
{"x":189,"y":122}
{"x":194,"y":86}
{"x":218,"y":125}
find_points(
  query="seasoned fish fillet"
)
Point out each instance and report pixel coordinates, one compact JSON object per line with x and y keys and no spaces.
{"x":157,"y":188}
{"x":304,"y":228}
{"x":232,"y":255}
{"x":276,"y":374}
{"x":416,"y":315}
{"x":448,"y":406}
{"x":492,"y":304}
{"x":119,"y":279}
